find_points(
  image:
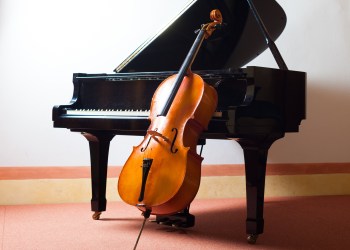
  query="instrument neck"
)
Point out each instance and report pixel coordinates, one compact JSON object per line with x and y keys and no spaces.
{"x":184,"y":70}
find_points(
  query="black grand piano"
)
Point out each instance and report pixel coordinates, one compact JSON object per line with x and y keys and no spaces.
{"x":256,"y":106}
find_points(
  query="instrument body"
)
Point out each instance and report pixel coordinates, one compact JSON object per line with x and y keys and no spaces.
{"x":181,"y":109}
{"x":174,"y":177}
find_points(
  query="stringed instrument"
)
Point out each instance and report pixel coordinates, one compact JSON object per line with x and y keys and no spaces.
{"x":162,"y":174}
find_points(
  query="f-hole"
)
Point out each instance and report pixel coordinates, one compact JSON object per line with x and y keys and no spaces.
{"x":144,"y":149}
{"x":172,"y":150}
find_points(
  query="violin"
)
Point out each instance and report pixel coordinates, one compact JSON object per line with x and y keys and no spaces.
{"x":162,"y":174}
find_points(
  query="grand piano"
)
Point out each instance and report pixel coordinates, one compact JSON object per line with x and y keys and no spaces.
{"x":256,"y":106}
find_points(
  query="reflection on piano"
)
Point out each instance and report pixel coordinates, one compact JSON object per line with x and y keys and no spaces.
{"x":256,"y":107}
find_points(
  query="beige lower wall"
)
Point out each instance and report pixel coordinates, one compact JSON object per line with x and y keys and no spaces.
{"x":46,"y":191}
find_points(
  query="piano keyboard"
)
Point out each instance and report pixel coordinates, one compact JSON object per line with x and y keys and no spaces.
{"x":108,"y":112}
{"x":116,"y":112}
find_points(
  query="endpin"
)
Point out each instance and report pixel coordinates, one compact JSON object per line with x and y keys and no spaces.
{"x":146,"y":215}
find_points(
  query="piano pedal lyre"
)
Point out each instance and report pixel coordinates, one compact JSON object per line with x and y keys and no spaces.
{"x":179,"y":220}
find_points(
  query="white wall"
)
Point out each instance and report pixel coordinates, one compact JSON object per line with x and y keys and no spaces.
{"x":317,"y":40}
{"x":43,"y":42}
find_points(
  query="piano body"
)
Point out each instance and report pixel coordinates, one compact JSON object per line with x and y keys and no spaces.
{"x":256,"y":107}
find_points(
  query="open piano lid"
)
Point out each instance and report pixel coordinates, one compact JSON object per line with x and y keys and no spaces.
{"x":239,"y":42}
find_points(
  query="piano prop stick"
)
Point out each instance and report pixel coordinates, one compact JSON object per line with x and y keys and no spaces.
{"x":162,"y":175}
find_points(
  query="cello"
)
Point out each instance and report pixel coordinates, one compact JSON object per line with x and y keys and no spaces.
{"x":162,"y":174}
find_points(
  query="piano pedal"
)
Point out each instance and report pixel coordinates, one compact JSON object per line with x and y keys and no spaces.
{"x":179,"y":220}
{"x":179,"y":224}
{"x":163,"y":221}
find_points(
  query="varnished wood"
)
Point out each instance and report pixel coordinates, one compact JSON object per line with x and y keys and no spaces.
{"x":174,"y":177}
{"x":181,"y":109}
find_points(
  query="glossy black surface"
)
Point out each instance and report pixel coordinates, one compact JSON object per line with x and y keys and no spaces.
{"x":229,"y":48}
{"x":271,"y":96}
{"x":132,"y":91}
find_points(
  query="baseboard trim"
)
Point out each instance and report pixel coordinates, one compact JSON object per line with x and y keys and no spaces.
{"x":41,"y":185}
{"x":77,"y":172}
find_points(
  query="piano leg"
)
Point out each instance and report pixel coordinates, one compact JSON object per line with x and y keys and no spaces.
{"x":255,"y":155}
{"x":99,"y":147}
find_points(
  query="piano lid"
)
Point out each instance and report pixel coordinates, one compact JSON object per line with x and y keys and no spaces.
{"x":239,"y":42}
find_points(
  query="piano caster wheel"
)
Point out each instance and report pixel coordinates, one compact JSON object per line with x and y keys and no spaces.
{"x":96,"y":215}
{"x":251,"y":238}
